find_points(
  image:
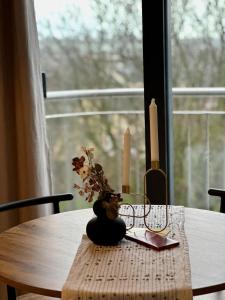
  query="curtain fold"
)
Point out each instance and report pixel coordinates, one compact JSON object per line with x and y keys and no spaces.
{"x":24,"y":155}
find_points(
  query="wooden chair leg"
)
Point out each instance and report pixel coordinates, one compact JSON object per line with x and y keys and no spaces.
{"x":11,"y":293}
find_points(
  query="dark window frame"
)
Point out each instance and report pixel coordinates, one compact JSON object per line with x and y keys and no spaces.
{"x":157,"y":84}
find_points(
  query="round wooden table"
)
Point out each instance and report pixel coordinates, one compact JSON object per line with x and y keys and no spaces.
{"x":36,"y":256}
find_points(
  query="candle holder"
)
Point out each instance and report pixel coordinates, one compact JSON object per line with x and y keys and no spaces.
{"x":155,"y":168}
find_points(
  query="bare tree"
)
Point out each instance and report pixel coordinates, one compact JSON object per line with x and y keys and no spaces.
{"x":105,"y":56}
{"x":105,"y":51}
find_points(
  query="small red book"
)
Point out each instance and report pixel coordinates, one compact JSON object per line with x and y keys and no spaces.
{"x":151,"y":239}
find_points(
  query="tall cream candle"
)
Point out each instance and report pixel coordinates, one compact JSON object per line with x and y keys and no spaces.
{"x":126,"y":157}
{"x":154,"y":140}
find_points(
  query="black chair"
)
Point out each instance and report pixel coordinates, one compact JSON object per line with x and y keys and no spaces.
{"x":55,"y":200}
{"x":221,"y":194}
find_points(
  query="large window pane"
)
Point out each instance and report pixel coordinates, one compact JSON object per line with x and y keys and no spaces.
{"x":93,"y":44}
{"x":198,"y":52}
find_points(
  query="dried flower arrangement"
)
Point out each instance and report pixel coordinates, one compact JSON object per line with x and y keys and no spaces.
{"x":95,"y":182}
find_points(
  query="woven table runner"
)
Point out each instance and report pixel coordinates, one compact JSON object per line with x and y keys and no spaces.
{"x":130,"y":271}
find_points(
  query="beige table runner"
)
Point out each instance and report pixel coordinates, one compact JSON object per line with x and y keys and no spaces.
{"x":131,"y":271}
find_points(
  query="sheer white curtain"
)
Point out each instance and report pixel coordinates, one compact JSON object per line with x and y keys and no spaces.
{"x":24,"y":170}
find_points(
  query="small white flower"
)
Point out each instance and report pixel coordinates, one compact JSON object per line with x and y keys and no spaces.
{"x":84,"y":172}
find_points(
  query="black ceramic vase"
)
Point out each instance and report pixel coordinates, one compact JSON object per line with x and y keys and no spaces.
{"x":104,"y":229}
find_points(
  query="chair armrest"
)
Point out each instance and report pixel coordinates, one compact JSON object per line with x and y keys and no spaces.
{"x":55,"y":199}
{"x":221,"y":194}
{"x":216,"y":192}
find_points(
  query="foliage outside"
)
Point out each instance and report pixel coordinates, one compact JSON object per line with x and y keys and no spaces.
{"x":106,"y":52}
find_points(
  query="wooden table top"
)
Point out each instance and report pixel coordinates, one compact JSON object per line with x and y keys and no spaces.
{"x":36,"y":256}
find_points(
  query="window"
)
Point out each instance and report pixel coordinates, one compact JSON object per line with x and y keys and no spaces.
{"x":92,"y":52}
{"x":87,"y":46}
{"x":198,"y":67}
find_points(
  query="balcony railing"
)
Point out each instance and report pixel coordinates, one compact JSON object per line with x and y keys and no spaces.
{"x":77,"y":94}
{"x":190,"y":164}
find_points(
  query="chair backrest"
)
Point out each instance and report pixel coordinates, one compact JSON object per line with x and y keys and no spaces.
{"x":54,"y":199}
{"x":221,"y":194}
